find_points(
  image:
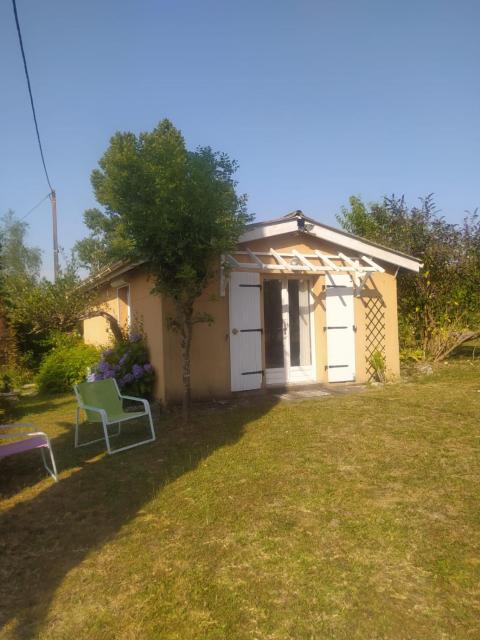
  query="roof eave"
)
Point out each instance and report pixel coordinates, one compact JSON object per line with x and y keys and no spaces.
{"x":289,"y":224}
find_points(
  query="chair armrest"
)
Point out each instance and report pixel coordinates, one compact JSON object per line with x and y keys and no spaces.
{"x":145,"y":403}
{"x":102,"y":412}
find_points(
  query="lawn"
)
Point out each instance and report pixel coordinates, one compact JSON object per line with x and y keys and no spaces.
{"x":346,"y":517}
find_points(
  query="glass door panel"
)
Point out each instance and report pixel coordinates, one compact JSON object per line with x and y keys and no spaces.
{"x":272,"y":305}
{"x":299,"y":323}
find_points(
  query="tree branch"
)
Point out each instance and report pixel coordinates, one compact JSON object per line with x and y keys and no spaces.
{"x":112,"y":321}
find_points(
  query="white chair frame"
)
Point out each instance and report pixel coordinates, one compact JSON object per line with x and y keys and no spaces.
{"x":106,"y":423}
{"x":21,"y":434}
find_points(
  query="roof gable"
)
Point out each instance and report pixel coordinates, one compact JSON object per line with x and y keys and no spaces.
{"x":297,"y":222}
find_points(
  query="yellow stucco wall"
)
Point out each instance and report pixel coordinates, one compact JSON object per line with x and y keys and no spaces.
{"x":96,"y":330}
{"x":210,"y":353}
{"x":146,"y":311}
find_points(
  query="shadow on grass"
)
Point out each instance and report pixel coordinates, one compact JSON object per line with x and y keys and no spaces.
{"x":42,"y":539}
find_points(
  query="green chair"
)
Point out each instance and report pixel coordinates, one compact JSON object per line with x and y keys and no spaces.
{"x":102,"y":402}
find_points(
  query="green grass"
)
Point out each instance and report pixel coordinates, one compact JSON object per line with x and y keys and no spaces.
{"x":348,"y":517}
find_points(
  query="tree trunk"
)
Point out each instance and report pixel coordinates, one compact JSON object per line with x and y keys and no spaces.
{"x":472,"y":335}
{"x":112,"y":322}
{"x":186,"y":313}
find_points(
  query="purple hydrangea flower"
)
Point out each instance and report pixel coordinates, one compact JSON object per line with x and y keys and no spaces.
{"x":103,"y":366}
{"x":127,"y":378}
{"x":123,"y":358}
{"x":148,"y":367}
{"x":135,"y":337}
{"x":137,"y":371}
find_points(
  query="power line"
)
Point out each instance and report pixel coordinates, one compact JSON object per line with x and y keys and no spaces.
{"x":34,"y":207}
{"x":52,"y":195}
{"x":30,"y":93}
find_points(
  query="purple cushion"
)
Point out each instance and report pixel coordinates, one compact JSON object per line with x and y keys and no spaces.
{"x":22,"y":445}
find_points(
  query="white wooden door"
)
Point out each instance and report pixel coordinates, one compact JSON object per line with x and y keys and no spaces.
{"x":340,"y":328}
{"x":245,"y":331}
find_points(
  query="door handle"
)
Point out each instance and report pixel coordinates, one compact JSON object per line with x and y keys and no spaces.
{"x":234,"y":331}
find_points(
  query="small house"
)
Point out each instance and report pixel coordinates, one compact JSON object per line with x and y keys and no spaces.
{"x":300,"y":303}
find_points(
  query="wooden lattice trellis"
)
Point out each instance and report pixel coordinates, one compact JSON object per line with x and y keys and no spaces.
{"x":374,"y":332}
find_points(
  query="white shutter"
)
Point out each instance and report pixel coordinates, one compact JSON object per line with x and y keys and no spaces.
{"x":340,"y":328}
{"x":245,"y":331}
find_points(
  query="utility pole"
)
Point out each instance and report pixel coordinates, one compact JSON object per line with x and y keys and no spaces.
{"x":56,"y":268}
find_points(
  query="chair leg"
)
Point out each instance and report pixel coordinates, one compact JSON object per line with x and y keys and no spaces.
{"x":107,"y":438}
{"x":76,"y":427}
{"x":77,"y":432}
{"x":52,"y":471}
{"x":152,"y":429}
{"x":137,"y":444}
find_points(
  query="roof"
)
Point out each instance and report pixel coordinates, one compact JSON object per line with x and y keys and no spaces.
{"x":293,"y":222}
{"x":108,"y":273}
{"x":298,"y":221}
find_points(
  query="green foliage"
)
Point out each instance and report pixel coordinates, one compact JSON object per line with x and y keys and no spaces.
{"x":6,"y":383}
{"x":180,"y":210}
{"x":377,"y":360}
{"x":18,"y":260}
{"x":15,"y":375}
{"x":41,"y":309}
{"x":19,"y":270}
{"x":107,"y":242}
{"x":128,"y":362}
{"x":179,"y":207}
{"x":66,"y":364}
{"x":440,"y":307}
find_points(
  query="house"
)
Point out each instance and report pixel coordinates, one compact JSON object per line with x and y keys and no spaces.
{"x":300,"y":303}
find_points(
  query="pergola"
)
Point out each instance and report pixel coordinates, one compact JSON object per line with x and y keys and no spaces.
{"x":358,"y":267}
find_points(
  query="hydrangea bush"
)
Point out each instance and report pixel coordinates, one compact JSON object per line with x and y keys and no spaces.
{"x":128,"y":363}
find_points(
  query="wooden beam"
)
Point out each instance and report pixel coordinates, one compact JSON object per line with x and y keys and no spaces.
{"x":373,"y":264}
{"x":304,"y":260}
{"x":279,"y":258}
{"x":326,"y":260}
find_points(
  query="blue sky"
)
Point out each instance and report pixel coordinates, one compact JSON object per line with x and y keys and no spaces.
{"x":317,"y":100}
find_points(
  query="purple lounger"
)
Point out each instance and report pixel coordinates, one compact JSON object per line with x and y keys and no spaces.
{"x":29,"y":441}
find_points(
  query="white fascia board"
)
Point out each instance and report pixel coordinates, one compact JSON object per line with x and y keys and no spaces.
{"x":269,"y":230}
{"x":363,"y":247}
{"x":330,"y":235}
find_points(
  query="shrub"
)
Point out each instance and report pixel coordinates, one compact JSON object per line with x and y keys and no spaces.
{"x":14,"y":376}
{"x":129,"y":364}
{"x":66,"y":365}
{"x":377,"y":360}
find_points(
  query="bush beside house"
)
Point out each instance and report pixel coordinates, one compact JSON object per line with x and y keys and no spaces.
{"x":66,"y":365}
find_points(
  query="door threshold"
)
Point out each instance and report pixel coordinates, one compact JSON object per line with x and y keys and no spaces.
{"x":289,"y":385}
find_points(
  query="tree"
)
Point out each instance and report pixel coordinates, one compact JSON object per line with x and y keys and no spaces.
{"x":440,"y":307}
{"x":106,"y":243}
{"x":18,"y":260}
{"x":19,"y":267}
{"x":180,"y":210}
{"x":44,"y":309}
